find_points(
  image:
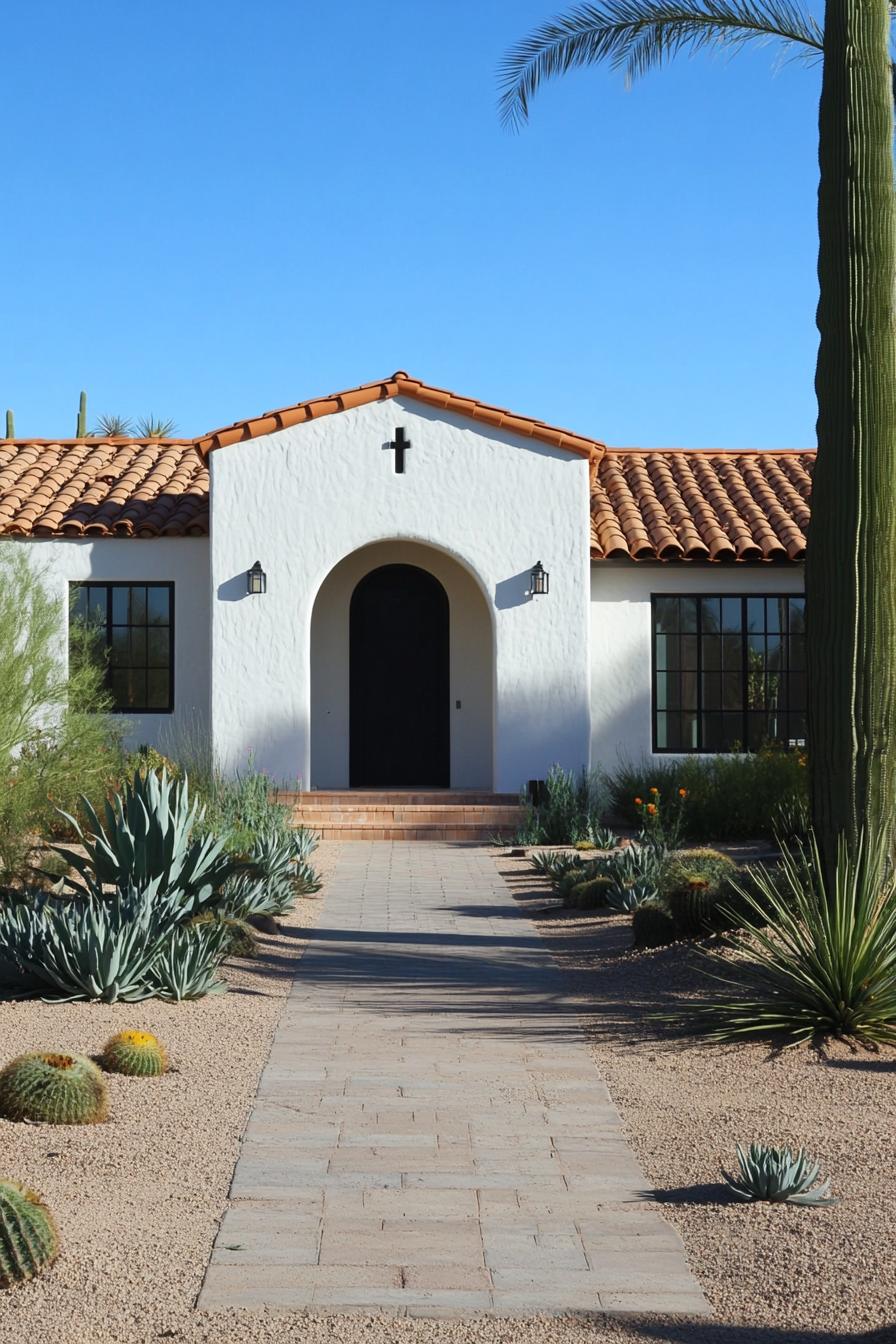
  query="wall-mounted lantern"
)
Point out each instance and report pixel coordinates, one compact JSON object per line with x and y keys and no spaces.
{"x":540,"y":580}
{"x":256,"y":580}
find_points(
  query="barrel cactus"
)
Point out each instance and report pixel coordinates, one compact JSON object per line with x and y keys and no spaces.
{"x":136,"y":1053}
{"x":693,"y":908}
{"x":653,"y":925}
{"x":53,"y":1087}
{"x":591,"y":894}
{"x":28,"y":1237}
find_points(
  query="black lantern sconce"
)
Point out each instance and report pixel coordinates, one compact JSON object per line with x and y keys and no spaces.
{"x":540,"y":580}
{"x":256,"y":580}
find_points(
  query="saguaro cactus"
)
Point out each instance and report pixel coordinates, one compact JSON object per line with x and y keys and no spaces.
{"x":82,"y":417}
{"x":851,"y":569}
{"x":10,"y":425}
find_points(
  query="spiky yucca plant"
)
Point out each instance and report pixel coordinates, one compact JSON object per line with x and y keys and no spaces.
{"x":138,"y":1054}
{"x":55,"y":1088}
{"x":777,"y":1176}
{"x":816,"y":956}
{"x":29,"y":1241}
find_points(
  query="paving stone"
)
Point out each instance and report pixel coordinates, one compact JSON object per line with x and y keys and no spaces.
{"x":419,"y":1144}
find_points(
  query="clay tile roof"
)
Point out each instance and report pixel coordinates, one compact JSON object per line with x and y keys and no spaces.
{"x":662,"y":504}
{"x":400,"y":384}
{"x":103,"y":488}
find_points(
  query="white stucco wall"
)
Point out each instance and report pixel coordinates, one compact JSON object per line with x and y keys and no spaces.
{"x":183,"y":561}
{"x":470,"y":673}
{"x":621,"y":640}
{"x":303,"y":499}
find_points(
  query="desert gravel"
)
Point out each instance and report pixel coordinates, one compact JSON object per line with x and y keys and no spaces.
{"x":139,"y":1198}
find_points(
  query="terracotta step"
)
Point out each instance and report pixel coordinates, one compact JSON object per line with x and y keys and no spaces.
{"x":471,"y":815}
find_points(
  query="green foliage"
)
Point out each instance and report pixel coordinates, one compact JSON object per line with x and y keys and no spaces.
{"x":187,"y":967}
{"x":112,"y":427}
{"x":817,"y":955}
{"x":154,"y":427}
{"x":55,"y":739}
{"x":273,"y":879}
{"x":55,"y":1088}
{"x":737,"y":796}
{"x":94,"y":946}
{"x":777,"y":1176}
{"x":592,"y":894}
{"x":149,"y":837}
{"x":686,"y":867}
{"x":571,"y":807}
{"x":637,"y":37}
{"x":138,"y":1054}
{"x":241,"y":940}
{"x":29,"y":1240}
{"x":603,"y":837}
{"x":653,"y":925}
{"x":147,"y":758}
{"x":81,"y":426}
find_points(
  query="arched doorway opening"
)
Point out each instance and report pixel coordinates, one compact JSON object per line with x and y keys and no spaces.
{"x":399,"y":681}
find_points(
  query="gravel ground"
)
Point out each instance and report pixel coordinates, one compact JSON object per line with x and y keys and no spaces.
{"x":138,"y":1199}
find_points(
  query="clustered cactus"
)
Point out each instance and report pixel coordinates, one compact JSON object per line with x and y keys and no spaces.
{"x":53,"y":1087}
{"x":29,"y":1241}
{"x":136,"y":1053}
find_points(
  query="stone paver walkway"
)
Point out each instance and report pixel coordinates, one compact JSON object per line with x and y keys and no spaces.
{"x":430,"y":1134}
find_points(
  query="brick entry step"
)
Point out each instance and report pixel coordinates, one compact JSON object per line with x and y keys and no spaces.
{"x":412,"y":814}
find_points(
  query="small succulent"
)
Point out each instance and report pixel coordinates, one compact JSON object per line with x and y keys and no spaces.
{"x":592,"y":894}
{"x":29,"y":1241}
{"x":187,"y":967}
{"x":545,"y":862}
{"x":55,"y":1088}
{"x":604,"y":838}
{"x":778,"y":1176}
{"x":136,"y":1053}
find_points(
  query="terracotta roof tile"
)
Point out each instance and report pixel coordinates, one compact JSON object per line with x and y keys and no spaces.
{"x":400,"y":384}
{"x":103,"y":488}
{"x":661,"y":504}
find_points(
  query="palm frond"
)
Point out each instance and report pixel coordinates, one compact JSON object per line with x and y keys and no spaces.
{"x":638,"y":35}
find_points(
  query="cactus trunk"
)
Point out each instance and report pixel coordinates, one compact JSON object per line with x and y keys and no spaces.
{"x":82,"y":417}
{"x":851,"y":565}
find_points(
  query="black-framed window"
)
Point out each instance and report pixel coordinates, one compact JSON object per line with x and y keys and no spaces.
{"x":134,"y":631}
{"x":729,"y":673}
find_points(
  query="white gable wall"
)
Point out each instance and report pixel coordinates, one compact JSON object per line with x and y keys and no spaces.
{"x":181,"y":560}
{"x":302,"y":499}
{"x":621,"y":639}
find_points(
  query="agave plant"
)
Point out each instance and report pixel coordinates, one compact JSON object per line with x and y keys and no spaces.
{"x":548,"y":862}
{"x":147,"y":837}
{"x":96,"y":946}
{"x":304,"y":843}
{"x":603,"y":837}
{"x":816,"y":955}
{"x":188,"y":963}
{"x":635,"y":872}
{"x":112,"y":427}
{"x":778,"y":1176}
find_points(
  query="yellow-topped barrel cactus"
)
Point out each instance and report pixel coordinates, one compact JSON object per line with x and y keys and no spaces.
{"x":136,"y":1053}
{"x":53,"y":1087}
{"x":28,"y":1237}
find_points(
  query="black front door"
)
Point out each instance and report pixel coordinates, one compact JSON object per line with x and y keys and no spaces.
{"x":398,"y":680}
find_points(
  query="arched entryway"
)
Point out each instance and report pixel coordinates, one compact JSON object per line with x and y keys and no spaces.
{"x":399,"y":684}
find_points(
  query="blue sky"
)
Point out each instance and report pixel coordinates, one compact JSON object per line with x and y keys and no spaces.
{"x":211,"y":209}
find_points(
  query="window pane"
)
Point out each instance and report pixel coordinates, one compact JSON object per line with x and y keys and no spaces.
{"x":138,"y":606}
{"x":732,"y":691}
{"x":711,"y":615}
{"x":776,"y":614}
{"x":688,"y":681}
{"x":732,"y":653}
{"x":712,"y":653}
{"x":665,"y":615}
{"x":755,"y":615}
{"x":712,"y":691}
{"x":666,"y":651}
{"x":157,"y":690}
{"x":687,"y":615}
{"x":663,"y":731}
{"x":121,"y":606}
{"x":688,"y":652}
{"x":79,"y":602}
{"x":689,"y":740}
{"x":138,"y":646}
{"x":797,"y":611}
{"x":157,"y":646}
{"x":96,"y":601}
{"x":157,"y":606}
{"x":120,"y":648}
{"x":731,"y":615}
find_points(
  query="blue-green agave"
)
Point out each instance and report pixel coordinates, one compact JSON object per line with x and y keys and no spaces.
{"x":778,"y":1176}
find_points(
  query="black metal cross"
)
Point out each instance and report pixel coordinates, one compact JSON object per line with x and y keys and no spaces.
{"x":399,"y":444}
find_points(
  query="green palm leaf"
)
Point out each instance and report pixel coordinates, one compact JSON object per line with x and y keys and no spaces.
{"x":637,"y":35}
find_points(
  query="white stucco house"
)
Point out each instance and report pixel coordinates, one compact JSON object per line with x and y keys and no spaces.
{"x":400,"y":639}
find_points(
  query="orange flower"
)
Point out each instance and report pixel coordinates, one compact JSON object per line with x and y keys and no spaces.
{"x":638,"y":802}
{"x":650,"y":809}
{"x":682,"y":793}
{"x":653,"y":790}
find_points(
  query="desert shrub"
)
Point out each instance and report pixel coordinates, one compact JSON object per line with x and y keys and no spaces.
{"x":569,"y":810}
{"x":147,"y":758}
{"x":56,"y":741}
{"x":686,"y":867}
{"x":818,"y":958}
{"x":737,"y":796}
